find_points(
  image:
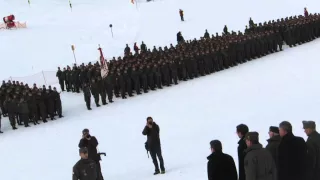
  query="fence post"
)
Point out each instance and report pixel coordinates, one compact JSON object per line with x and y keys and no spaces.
{"x":44,"y":78}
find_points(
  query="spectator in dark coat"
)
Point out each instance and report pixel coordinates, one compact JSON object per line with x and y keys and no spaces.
{"x":273,"y":143}
{"x":292,"y":154}
{"x":152,"y":130}
{"x":313,"y":145}
{"x":258,"y":163}
{"x":85,"y":168}
{"x":221,"y":166}
{"x":91,"y":143}
{"x":242,"y":130}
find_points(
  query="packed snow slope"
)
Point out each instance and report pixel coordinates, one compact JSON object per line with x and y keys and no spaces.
{"x":52,"y":27}
{"x":264,"y":92}
{"x":261,"y":93}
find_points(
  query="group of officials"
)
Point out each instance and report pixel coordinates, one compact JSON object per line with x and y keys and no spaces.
{"x":143,"y":69}
{"x":286,"y":156}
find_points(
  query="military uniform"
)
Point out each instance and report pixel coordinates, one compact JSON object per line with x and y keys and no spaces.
{"x":313,"y":155}
{"x":258,"y":163}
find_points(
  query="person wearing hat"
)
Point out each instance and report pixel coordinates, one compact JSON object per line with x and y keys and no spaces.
{"x":91,"y":143}
{"x":87,"y":94}
{"x":292,"y":154}
{"x":85,"y":168}
{"x":313,"y":145}
{"x":152,"y":130}
{"x":220,"y":166}
{"x":258,"y":163}
{"x":273,"y":142}
{"x":242,"y":130}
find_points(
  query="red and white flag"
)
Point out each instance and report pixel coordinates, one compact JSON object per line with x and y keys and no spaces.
{"x":103,"y":64}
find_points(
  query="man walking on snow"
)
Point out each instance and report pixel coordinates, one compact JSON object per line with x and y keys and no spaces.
{"x":152,"y":130}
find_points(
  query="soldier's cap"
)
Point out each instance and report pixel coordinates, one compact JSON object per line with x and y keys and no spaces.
{"x":309,"y":125}
{"x":216,"y":145}
{"x":85,"y":131}
{"x":252,"y":136}
{"x":286,"y":126}
{"x":83,"y":150}
{"x":274,"y":129}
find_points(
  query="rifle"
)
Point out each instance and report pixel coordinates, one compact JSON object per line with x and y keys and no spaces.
{"x":102,"y":153}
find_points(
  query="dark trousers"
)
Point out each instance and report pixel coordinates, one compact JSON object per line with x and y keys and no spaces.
{"x":100,"y":177}
{"x":154,"y":152}
{"x":25,"y":119}
{"x":12,"y":119}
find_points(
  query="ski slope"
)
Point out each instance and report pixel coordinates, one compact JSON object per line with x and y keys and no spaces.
{"x":261,"y":93}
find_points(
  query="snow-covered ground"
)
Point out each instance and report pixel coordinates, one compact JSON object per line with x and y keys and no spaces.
{"x":264,"y":92}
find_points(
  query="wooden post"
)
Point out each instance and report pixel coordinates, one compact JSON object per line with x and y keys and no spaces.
{"x":74,"y":55}
{"x":44,"y":78}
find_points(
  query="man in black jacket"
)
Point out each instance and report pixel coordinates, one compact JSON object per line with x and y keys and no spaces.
{"x":242,"y":130}
{"x":220,"y":166}
{"x":85,"y":168}
{"x":313,"y":145}
{"x":152,"y":130}
{"x":273,"y":143}
{"x":292,"y":154}
{"x":91,"y":143}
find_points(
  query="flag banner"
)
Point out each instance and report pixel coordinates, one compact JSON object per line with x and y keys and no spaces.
{"x":103,"y":64}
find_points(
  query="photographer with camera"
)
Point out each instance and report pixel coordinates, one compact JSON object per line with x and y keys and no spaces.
{"x":153,"y":145}
{"x":91,"y":143}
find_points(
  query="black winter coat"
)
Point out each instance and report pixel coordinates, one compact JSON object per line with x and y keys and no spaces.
{"x":153,"y":136}
{"x":292,"y":158}
{"x":313,"y":158}
{"x":241,"y":155}
{"x":85,"y":169}
{"x":23,"y":108}
{"x":272,"y":147}
{"x":91,"y":145}
{"x":221,"y":167}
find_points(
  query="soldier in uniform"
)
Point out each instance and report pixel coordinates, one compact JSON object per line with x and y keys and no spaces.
{"x":95,"y":91}
{"x":313,"y":145}
{"x":24,"y":112}
{"x":85,"y":168}
{"x":87,"y":95}
{"x":11,"y":107}
{"x":258,"y":162}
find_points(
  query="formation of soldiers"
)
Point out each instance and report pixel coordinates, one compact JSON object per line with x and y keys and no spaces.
{"x":144,"y":69}
{"x":286,"y":156}
{"x":23,"y":104}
